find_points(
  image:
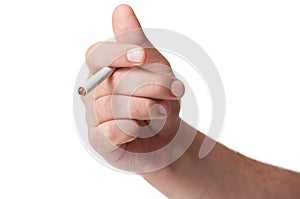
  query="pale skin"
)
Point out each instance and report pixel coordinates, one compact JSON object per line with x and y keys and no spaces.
{"x":113,"y":132}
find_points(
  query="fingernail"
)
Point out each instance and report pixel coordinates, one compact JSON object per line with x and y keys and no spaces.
{"x":158,"y":111}
{"x":177,"y":88}
{"x":136,"y":55}
{"x":162,"y":110}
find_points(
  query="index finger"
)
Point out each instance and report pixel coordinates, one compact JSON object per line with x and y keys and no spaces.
{"x":114,"y":54}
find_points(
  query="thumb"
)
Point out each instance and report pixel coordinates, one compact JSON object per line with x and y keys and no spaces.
{"x":126,"y":26}
{"x":127,"y":29}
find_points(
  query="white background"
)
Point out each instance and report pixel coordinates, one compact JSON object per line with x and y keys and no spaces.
{"x":254,"y":44}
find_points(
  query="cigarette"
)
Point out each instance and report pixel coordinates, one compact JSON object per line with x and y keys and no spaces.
{"x":96,"y":79}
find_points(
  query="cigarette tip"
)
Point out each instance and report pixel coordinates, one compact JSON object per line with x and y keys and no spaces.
{"x":81,"y":91}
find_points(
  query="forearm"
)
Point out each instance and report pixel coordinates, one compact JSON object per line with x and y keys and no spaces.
{"x":223,"y":174}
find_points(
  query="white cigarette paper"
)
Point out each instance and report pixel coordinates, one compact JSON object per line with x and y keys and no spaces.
{"x":96,"y":79}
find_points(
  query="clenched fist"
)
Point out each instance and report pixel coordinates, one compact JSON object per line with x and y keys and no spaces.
{"x":135,"y":112}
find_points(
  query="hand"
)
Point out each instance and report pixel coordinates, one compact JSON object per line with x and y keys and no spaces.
{"x":135,"y":111}
{"x":134,"y":114}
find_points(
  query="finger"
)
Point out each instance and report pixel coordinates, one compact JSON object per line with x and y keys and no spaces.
{"x":141,"y":83}
{"x":114,"y":107}
{"x":114,"y":54}
{"x":127,"y":29}
{"x":119,"y":132}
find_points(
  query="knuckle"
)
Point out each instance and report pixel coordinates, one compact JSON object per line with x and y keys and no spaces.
{"x":102,"y":107}
{"x":133,"y":108}
{"x":98,"y":140}
{"x":109,"y":132}
{"x":128,"y":127}
{"x":147,"y":104}
{"x":157,"y":88}
{"x":89,"y":55}
{"x":91,"y":49}
{"x":118,"y":75}
{"x":93,"y":139}
{"x":90,"y":115}
{"x":139,"y":108}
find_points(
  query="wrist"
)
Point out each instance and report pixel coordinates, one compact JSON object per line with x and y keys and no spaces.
{"x":185,"y":149}
{"x":172,"y":179}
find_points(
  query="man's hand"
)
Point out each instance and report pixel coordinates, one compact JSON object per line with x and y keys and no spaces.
{"x":136,"y":109}
{"x":135,"y":112}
